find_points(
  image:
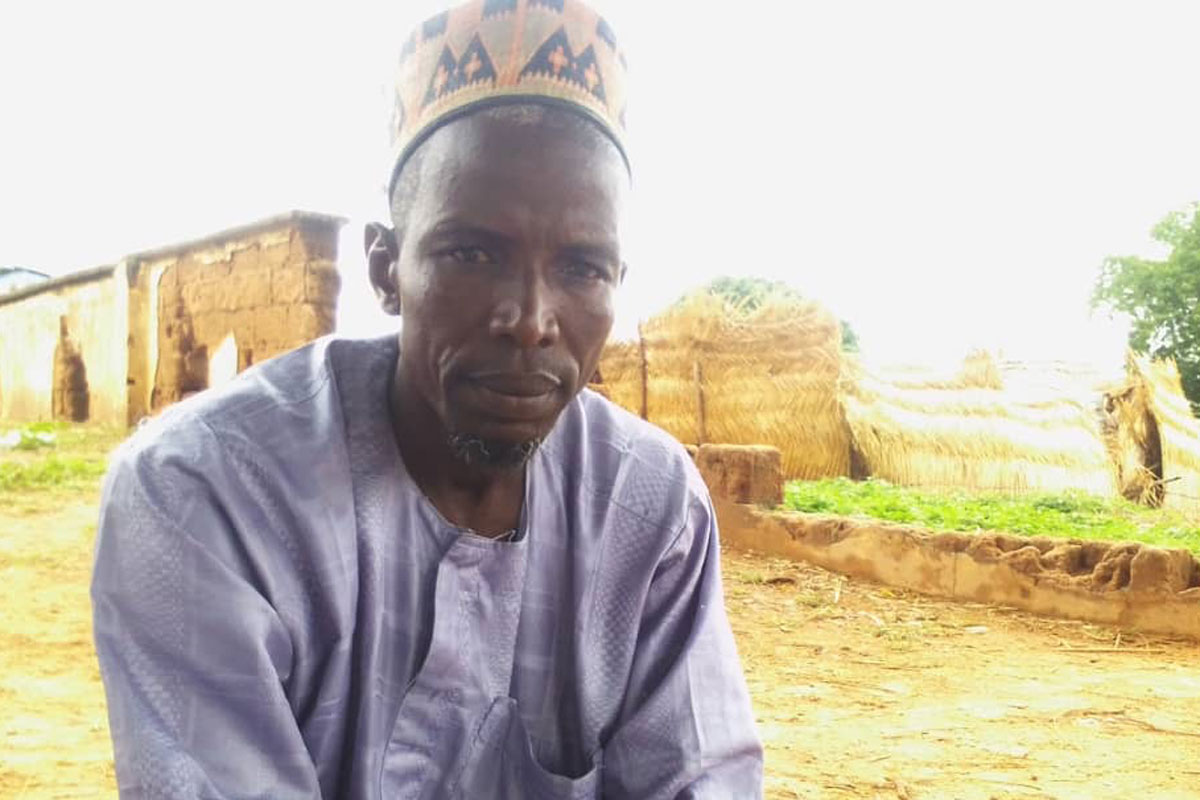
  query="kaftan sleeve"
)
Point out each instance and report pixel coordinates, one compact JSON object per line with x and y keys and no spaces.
{"x":687,"y":728}
{"x":194,"y":659}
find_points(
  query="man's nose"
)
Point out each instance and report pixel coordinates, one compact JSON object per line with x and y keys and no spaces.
{"x":527,"y":314}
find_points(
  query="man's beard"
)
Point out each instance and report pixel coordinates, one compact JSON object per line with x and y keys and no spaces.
{"x":476,"y":451}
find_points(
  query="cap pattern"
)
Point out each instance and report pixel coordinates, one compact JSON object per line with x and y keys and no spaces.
{"x":493,"y":51}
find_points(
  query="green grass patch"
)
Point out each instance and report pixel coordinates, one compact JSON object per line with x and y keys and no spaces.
{"x":45,"y":457}
{"x":1067,"y":515}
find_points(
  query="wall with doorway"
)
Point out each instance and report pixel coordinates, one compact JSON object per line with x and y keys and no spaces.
{"x":245,"y":294}
{"x":63,"y":349}
{"x":117,"y":343}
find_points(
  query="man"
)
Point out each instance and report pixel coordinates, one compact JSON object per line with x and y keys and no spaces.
{"x":435,"y":565}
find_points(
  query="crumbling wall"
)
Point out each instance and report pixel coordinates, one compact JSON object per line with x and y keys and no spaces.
{"x":1127,"y":584}
{"x":115,"y":344}
{"x":69,"y":395}
{"x":271,"y":286}
{"x":41,"y":366}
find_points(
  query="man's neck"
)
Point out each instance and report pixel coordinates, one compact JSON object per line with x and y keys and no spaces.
{"x":485,"y":500}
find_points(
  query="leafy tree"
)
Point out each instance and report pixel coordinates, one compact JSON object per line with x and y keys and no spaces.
{"x":849,"y":338}
{"x":1161,"y":297}
{"x":747,"y":294}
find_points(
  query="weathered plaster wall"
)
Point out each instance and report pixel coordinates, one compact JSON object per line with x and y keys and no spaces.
{"x":92,"y":308}
{"x":272,"y":287}
{"x":148,"y":329}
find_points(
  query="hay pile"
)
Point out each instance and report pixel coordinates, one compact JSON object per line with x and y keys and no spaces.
{"x":1087,"y":382}
{"x":970,"y":432}
{"x":710,"y":373}
{"x":717,"y":374}
{"x":1156,"y":387}
{"x":1131,"y":433}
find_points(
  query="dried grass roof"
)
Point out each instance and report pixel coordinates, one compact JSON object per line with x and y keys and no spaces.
{"x":715,"y":373}
{"x":947,"y":433}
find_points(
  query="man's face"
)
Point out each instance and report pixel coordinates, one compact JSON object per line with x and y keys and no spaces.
{"x":507,"y":263}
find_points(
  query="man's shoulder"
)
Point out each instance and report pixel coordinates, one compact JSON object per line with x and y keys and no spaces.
{"x":627,"y":461}
{"x":282,"y":404}
{"x":272,"y":389}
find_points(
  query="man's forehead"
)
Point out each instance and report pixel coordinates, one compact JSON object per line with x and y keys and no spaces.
{"x":490,"y":52}
{"x":494,"y":173}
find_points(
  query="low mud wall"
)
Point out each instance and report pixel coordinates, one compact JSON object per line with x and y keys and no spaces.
{"x":1127,"y":585}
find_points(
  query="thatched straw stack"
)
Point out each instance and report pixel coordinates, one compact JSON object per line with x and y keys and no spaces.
{"x":771,"y":377}
{"x":979,"y":370}
{"x":619,"y":377}
{"x":952,"y":434}
{"x":1088,"y":382}
{"x":671,"y":346}
{"x":1178,"y":431}
{"x":1131,"y":433}
{"x":717,"y":374}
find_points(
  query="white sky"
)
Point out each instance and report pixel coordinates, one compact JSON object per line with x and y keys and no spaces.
{"x":942,"y":174}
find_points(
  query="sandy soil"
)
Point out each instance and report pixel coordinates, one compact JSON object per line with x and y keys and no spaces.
{"x":860,"y":691}
{"x":53,"y":725}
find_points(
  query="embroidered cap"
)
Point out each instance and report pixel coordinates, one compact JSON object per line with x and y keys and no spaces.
{"x":486,"y":52}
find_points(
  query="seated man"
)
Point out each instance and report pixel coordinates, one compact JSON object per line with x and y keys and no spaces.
{"x":434,"y":565}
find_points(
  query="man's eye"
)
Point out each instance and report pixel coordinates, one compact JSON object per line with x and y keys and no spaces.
{"x":582,"y":270}
{"x":470,"y":255}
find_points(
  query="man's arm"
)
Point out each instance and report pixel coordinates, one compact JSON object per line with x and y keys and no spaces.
{"x":193,"y":657}
{"x":687,"y":728}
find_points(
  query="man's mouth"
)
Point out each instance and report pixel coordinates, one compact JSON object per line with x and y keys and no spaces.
{"x":516,"y":396}
{"x":518,"y":384}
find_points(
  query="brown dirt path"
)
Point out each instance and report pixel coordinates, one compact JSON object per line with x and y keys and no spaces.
{"x":860,"y":691}
{"x":53,"y":724}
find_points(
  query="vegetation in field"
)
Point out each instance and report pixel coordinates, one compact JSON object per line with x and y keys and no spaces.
{"x":51,"y":456}
{"x":1159,"y":297}
{"x":1067,"y":515}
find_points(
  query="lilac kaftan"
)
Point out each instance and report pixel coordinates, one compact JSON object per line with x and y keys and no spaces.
{"x":281,"y":613}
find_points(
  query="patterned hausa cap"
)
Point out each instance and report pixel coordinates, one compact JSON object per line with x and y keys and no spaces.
{"x":487,"y":52}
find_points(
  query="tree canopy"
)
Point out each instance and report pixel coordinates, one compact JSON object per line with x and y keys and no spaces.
{"x":748,"y":293}
{"x":1161,"y":297}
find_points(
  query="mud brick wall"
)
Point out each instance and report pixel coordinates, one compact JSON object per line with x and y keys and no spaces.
{"x":263,"y":289}
{"x":62,"y":349}
{"x":1125,"y":584}
{"x":117,"y":343}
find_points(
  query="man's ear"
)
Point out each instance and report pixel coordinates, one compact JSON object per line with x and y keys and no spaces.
{"x":379,"y":241}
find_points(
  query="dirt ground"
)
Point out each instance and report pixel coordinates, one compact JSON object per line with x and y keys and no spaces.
{"x":860,"y":691}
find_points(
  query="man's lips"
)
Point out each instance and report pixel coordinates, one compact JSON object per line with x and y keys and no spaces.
{"x":516,"y":396}
{"x":517,"y":384}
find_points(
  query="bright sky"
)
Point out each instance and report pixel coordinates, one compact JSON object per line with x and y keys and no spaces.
{"x":942,"y":174}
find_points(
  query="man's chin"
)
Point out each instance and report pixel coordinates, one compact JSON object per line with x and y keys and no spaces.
{"x":491,"y":453}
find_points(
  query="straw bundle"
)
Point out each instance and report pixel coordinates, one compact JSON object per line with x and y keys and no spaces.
{"x":1081,"y":381}
{"x":981,"y":438}
{"x":1178,"y":430}
{"x":669,"y":345}
{"x":1131,"y":433}
{"x":714,"y":373}
{"x":619,"y":376}
{"x":979,"y":370}
{"x":771,"y":378}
